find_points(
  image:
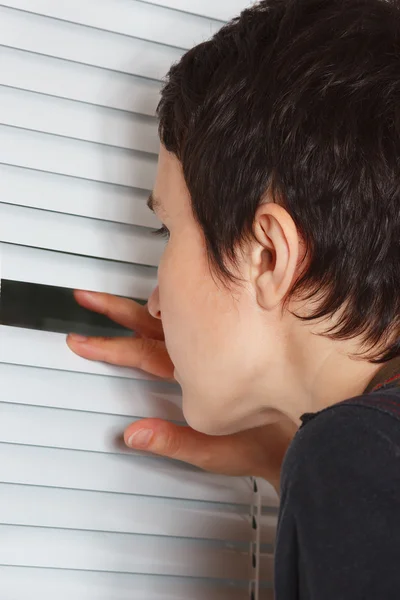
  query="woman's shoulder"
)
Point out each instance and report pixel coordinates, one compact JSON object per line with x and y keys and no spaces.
{"x":357,"y":439}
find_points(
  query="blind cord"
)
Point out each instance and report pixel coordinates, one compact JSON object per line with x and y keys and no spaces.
{"x":255,"y":543}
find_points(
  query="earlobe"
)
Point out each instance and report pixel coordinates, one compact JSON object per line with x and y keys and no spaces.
{"x":275,"y":256}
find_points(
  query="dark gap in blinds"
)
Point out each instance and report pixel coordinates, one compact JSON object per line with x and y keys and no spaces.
{"x":51,"y":308}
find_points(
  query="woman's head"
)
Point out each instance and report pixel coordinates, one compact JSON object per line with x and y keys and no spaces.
{"x":221,"y":337}
{"x":279,"y":181}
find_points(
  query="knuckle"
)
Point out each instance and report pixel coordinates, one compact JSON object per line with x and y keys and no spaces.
{"x":107,"y":308}
{"x":172,"y":445}
{"x":167,"y":442}
{"x":112,"y":351}
{"x":146,"y":349}
{"x":207,"y":459}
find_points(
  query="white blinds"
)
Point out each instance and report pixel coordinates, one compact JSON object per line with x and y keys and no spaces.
{"x":80,"y":515}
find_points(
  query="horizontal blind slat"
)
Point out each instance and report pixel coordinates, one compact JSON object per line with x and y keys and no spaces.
{"x":90,"y":393}
{"x":65,"y":584}
{"x":71,"y":119}
{"x":123,"y":513}
{"x":61,"y":428}
{"x":32,"y":265}
{"x":34,"y":546}
{"x":47,"y":349}
{"x":148,"y":476}
{"x":77,"y":158}
{"x":128,"y":17}
{"x":85,"y":45}
{"x":64,"y":79}
{"x":69,"y":195}
{"x":79,"y":235}
{"x":223,"y":9}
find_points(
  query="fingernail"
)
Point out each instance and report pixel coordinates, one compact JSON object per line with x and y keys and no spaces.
{"x":80,"y":339}
{"x":140,"y":438}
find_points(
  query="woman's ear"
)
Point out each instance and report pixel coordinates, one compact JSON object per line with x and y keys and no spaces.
{"x":274,"y":257}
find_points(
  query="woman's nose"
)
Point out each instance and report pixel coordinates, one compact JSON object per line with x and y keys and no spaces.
{"x":154,"y":304}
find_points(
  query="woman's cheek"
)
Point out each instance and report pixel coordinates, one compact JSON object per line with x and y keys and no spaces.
{"x":169,"y":286}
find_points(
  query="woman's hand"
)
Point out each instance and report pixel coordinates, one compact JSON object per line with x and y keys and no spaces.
{"x":145,"y":351}
{"x":257,"y":452}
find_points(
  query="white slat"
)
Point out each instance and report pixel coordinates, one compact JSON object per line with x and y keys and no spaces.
{"x":66,"y":156}
{"x":66,"y":270}
{"x":65,"y":79}
{"x":124,"y":513}
{"x":128,"y":17}
{"x":61,"y":428}
{"x":85,"y":45}
{"x":223,"y":9}
{"x":148,"y":476}
{"x":42,"y":547}
{"x":79,"y":235}
{"x":90,"y":393}
{"x":65,"y":584}
{"x":71,"y":119}
{"x":62,"y":194}
{"x":46,"y":349}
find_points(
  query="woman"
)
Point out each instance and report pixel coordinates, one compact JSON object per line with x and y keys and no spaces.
{"x":278,"y":189}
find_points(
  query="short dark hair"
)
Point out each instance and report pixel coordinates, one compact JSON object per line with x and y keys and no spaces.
{"x":301,"y":98}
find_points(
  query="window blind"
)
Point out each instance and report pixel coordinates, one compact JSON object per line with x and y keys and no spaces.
{"x":80,"y":514}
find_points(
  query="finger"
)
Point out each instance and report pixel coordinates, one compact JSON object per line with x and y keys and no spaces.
{"x":219,"y":454}
{"x":124,"y":311}
{"x":140,"y":353}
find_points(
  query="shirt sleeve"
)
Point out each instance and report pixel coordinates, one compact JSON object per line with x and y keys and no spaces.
{"x":342,"y":496}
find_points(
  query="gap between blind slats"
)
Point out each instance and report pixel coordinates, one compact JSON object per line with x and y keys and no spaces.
{"x":34,"y":546}
{"x":222,"y":10}
{"x":81,"y":197}
{"x":66,"y":156}
{"x":21,"y":263}
{"x":145,"y":476}
{"x":128,"y":17}
{"x":79,"y":235}
{"x":64,"y":79}
{"x":122,"y":513}
{"x":85,"y":45}
{"x":81,"y":585}
{"x":68,"y":118}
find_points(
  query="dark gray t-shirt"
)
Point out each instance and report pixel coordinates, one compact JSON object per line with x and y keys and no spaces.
{"x":339,"y":525}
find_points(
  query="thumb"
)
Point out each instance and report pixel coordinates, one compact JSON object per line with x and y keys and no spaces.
{"x":164,"y":438}
{"x":237,"y":454}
